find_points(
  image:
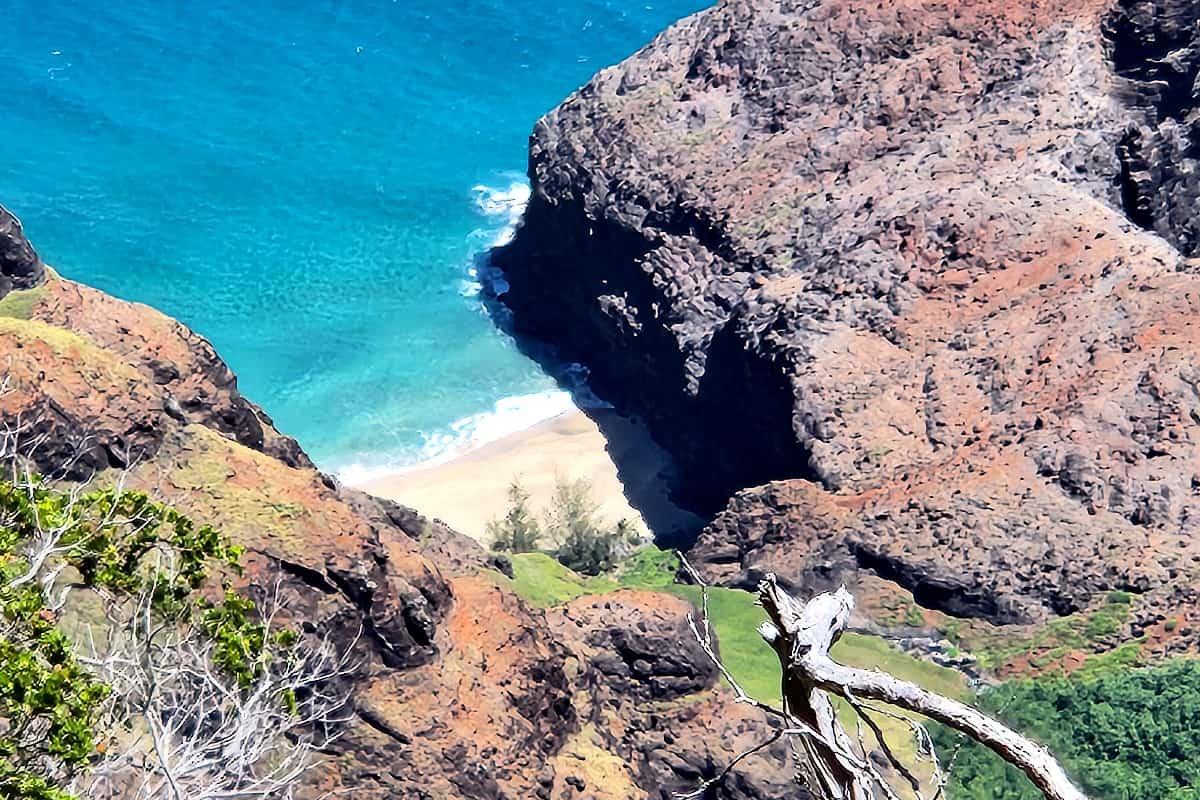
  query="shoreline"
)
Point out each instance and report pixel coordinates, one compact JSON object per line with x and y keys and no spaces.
{"x":626,"y":470}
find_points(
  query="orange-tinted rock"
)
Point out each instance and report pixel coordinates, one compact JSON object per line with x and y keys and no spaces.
{"x":879,"y":271}
{"x":101,"y":387}
{"x":459,"y":689}
{"x":484,"y":720}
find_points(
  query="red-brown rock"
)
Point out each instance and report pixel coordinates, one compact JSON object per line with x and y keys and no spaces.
{"x":920,"y":271}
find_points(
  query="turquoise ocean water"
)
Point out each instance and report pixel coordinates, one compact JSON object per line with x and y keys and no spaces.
{"x":306,"y":183}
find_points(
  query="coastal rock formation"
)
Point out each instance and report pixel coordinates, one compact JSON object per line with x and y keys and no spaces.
{"x":20,"y":265}
{"x":459,"y":688}
{"x":913,"y":282}
{"x":96,"y":387}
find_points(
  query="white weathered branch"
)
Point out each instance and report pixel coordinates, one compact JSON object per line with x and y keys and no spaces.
{"x":206,"y":737}
{"x":802,"y":634}
{"x":176,"y":726}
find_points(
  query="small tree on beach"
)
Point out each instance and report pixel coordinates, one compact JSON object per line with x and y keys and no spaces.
{"x":519,"y":531}
{"x":584,"y":543}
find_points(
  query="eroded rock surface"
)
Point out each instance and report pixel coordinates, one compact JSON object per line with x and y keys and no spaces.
{"x":653,"y":701}
{"x":914,"y":280}
{"x":20,"y":265}
{"x":460,"y":689}
{"x":98,"y":387}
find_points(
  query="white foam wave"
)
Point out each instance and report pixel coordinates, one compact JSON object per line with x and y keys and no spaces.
{"x":503,"y":207}
{"x":508,"y":416}
{"x":503,"y":204}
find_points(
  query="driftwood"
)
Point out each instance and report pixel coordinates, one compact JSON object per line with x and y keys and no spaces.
{"x":802,"y":635}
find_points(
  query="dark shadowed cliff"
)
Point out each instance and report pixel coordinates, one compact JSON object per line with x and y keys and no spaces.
{"x":906,"y":287}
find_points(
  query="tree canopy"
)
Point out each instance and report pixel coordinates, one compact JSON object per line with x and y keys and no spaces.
{"x":59,"y":713}
{"x":1124,"y":735}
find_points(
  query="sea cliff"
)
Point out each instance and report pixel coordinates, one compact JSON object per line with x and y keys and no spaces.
{"x":907,"y":289}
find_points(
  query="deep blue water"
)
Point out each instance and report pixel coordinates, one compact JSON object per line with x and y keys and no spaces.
{"x":295,"y":181}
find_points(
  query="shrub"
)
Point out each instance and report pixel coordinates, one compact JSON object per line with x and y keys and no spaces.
{"x":519,"y":531}
{"x":583,"y":542}
{"x":200,"y":675}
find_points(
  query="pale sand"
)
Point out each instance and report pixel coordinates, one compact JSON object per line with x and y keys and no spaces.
{"x":472,"y":489}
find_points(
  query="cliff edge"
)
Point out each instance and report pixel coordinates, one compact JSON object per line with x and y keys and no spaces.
{"x":906,"y":288}
{"x":460,"y":688}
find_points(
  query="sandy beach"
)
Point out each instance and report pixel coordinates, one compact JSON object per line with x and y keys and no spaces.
{"x":471,"y":489}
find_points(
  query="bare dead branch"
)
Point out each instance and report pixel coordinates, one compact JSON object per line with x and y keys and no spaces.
{"x":826,"y":761}
{"x":177,"y":725}
{"x":802,"y":634}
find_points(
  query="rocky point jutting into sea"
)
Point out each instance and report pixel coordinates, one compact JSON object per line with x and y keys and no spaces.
{"x":906,"y":288}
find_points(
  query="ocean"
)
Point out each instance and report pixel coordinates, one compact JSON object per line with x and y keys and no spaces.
{"x":309,"y":185}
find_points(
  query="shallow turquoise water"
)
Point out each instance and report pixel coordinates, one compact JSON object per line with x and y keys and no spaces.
{"x":295,"y":181}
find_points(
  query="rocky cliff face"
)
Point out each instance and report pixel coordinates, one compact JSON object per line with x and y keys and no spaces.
{"x":20,"y":265}
{"x":648,"y":701}
{"x":461,"y":689}
{"x":913,"y":281}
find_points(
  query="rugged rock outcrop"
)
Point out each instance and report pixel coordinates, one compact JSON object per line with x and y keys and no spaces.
{"x":97,"y":387}
{"x":915,"y":277}
{"x":20,"y":265}
{"x":653,"y":703}
{"x":460,"y":689}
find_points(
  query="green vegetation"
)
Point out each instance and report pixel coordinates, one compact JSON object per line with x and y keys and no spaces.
{"x":914,"y":617}
{"x":519,"y":531}
{"x":19,"y":304}
{"x":735,"y":615}
{"x":1132,"y":733}
{"x":543,"y":582}
{"x":581,"y":541}
{"x":52,"y":708}
{"x":1083,"y":631}
{"x":1124,"y":735}
{"x":650,"y":568}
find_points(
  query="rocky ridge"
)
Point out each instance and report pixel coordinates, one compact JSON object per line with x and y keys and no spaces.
{"x":461,"y":689}
{"x":645,"y":675}
{"x":907,"y":288}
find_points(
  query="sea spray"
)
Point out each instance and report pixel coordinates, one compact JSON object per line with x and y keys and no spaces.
{"x":503,"y":206}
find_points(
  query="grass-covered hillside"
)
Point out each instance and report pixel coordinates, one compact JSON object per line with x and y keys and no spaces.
{"x":543,"y":582}
{"x":735,"y":615}
{"x":1124,"y":733}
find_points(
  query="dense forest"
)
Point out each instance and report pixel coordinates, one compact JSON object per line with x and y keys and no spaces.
{"x":1129,"y":735}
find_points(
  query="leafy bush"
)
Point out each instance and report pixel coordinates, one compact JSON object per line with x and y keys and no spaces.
{"x":581,"y":541}
{"x":55,"y":712}
{"x":584,"y":543}
{"x":519,"y":531}
{"x":1128,"y":735}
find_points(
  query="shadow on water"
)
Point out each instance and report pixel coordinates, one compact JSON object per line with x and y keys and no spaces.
{"x":645,"y":469}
